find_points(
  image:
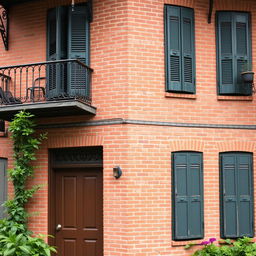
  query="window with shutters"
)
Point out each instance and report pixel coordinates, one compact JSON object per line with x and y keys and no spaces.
{"x":67,"y":38}
{"x":236,"y":195}
{"x":233,"y":52}
{"x":3,"y":185}
{"x":187,"y":196}
{"x":179,"y":49}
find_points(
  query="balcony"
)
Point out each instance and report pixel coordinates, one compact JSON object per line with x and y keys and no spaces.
{"x":46,"y":89}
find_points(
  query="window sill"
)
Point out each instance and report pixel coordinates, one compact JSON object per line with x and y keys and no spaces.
{"x":235,"y":98}
{"x":183,"y":243}
{"x":180,"y":95}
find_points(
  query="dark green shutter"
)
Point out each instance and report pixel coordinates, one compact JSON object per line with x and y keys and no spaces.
{"x":180,"y":60}
{"x":236,"y":195}
{"x":56,"y":50}
{"x":226,"y":54}
{"x":78,"y":48}
{"x":233,"y":51}
{"x":3,"y":185}
{"x":187,"y":39}
{"x":173,"y":58}
{"x":242,"y":57}
{"x":187,"y":196}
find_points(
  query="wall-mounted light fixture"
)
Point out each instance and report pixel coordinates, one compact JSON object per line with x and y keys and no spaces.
{"x":2,"y":129}
{"x":117,"y":172}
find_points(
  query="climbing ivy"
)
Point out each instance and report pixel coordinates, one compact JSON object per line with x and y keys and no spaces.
{"x":15,"y":238}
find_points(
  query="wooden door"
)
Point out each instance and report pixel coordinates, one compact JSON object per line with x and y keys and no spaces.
{"x":79,"y":212}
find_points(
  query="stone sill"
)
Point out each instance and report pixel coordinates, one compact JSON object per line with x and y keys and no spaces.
{"x":183,"y":243}
{"x":235,"y":98}
{"x":180,"y":95}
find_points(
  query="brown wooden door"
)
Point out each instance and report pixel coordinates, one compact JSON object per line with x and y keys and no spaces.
{"x":79,"y":212}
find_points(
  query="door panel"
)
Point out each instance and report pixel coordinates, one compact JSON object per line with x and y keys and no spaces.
{"x":79,"y":211}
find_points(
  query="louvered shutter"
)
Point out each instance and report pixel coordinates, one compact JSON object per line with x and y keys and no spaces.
{"x":226,"y":54}
{"x":78,"y":48}
{"x":173,"y":52}
{"x":180,"y":199}
{"x":56,"y":50}
{"x":187,"y":39}
{"x":195,"y":189}
{"x":229,"y":196}
{"x":245,"y":195}
{"x":3,"y":185}
{"x":242,"y":56}
{"x":187,"y":196}
{"x":236,"y":195}
{"x":234,"y":51}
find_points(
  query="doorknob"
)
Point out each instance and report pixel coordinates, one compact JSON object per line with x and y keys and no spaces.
{"x":58,"y":227}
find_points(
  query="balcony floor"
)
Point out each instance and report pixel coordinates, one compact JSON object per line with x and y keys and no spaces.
{"x":48,"y":109}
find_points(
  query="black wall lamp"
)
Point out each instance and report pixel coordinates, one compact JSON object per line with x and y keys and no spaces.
{"x":2,"y":129}
{"x":117,"y":172}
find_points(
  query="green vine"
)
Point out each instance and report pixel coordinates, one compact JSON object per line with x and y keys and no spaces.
{"x":24,"y":147}
{"x":15,"y":238}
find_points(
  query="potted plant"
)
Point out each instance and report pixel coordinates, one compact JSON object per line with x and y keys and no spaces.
{"x":247,"y":75}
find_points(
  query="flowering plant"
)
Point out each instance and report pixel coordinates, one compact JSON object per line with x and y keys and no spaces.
{"x":241,"y":247}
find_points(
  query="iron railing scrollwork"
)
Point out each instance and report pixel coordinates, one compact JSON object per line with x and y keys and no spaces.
{"x":4,"y":26}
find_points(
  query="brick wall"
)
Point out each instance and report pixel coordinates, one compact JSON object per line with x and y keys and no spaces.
{"x":127,"y":55}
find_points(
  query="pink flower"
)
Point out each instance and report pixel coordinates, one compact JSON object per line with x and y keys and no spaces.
{"x":205,"y":243}
{"x":211,"y":240}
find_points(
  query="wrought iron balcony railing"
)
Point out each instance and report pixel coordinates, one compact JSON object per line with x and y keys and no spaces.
{"x":45,"y":81}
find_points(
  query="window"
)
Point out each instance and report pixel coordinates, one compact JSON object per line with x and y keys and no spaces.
{"x":233,"y":52}
{"x":180,"y":52}
{"x":236,"y":195}
{"x":187,"y":195}
{"x":67,"y":38}
{"x":3,"y":185}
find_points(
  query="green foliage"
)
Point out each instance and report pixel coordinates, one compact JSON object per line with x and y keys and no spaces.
{"x":15,"y":238}
{"x":242,"y":247}
{"x":23,"y":244}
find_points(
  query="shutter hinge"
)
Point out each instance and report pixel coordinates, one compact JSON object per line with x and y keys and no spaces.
{"x":188,"y":232}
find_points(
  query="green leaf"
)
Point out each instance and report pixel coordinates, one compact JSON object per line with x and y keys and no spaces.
{"x":8,"y":252}
{"x":25,"y":249}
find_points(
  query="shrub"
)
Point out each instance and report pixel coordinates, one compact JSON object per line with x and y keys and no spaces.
{"x":242,"y":247}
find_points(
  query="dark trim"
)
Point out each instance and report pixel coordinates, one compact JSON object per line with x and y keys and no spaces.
{"x":63,"y":166}
{"x":115,"y":121}
{"x":210,"y":11}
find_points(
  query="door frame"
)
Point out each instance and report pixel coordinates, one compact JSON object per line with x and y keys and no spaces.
{"x":53,"y":168}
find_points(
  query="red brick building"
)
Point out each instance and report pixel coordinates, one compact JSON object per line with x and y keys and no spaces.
{"x":157,"y":91}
